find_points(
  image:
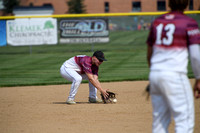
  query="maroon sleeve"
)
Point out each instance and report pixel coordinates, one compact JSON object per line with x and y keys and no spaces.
{"x":193,"y":33}
{"x":87,"y":66}
{"x":95,"y":70}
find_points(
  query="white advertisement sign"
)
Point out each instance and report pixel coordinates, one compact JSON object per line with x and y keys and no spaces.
{"x":34,"y":31}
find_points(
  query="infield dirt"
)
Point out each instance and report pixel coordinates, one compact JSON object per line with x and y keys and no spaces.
{"x":42,"y":109}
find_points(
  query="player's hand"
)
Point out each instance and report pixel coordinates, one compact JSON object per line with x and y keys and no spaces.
{"x":104,"y":93}
{"x":197,"y":89}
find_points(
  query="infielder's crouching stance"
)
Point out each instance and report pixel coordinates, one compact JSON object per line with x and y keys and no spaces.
{"x":172,"y":39}
{"x":84,"y":67}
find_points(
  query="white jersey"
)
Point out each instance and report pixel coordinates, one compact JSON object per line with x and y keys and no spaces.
{"x":170,"y":59}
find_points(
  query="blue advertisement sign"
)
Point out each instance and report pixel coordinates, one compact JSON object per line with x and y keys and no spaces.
{"x":3,"y":33}
{"x":84,"y":30}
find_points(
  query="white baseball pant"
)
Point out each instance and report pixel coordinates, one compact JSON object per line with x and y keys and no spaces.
{"x":172,"y":96}
{"x":76,"y":80}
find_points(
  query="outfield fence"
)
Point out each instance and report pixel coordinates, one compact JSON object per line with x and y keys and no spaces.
{"x":73,"y":28}
{"x":94,"y":15}
{"x":54,"y":38}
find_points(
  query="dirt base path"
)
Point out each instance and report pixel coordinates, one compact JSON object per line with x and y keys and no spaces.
{"x":42,"y":109}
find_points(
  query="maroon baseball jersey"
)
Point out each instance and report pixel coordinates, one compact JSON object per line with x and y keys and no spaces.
{"x":85,"y":63}
{"x":170,"y":35}
{"x":174,"y":29}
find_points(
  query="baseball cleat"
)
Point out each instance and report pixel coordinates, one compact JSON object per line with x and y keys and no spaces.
{"x":71,"y":102}
{"x":95,"y":100}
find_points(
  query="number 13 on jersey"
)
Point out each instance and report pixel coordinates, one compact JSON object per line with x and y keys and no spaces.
{"x":169,"y":31}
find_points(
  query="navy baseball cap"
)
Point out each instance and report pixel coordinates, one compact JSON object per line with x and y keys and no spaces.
{"x":99,"y":55}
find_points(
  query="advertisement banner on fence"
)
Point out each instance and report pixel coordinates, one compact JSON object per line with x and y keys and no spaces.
{"x":3,"y":33}
{"x":84,"y":31}
{"x":34,"y":31}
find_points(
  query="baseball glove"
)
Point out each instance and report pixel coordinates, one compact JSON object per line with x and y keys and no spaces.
{"x":110,"y":99}
{"x":147,"y":90}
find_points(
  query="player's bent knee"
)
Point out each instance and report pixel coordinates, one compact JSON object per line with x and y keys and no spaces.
{"x":78,"y":80}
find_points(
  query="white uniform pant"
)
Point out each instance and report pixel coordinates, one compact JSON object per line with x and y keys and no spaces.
{"x":76,"y":80}
{"x":172,"y":96}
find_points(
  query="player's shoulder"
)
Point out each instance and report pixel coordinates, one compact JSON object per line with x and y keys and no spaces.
{"x":85,"y":58}
{"x":186,"y":18}
{"x":182,"y":16}
{"x":80,"y":55}
{"x":175,"y":16}
{"x":190,"y":22}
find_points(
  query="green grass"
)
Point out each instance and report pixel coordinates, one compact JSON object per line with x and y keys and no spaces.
{"x":126,"y":54}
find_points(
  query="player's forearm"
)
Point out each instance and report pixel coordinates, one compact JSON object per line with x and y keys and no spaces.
{"x":195,"y":60}
{"x":149,"y":54}
{"x":96,"y":83}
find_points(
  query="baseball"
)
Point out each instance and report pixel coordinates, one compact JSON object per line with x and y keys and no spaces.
{"x":114,"y":100}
